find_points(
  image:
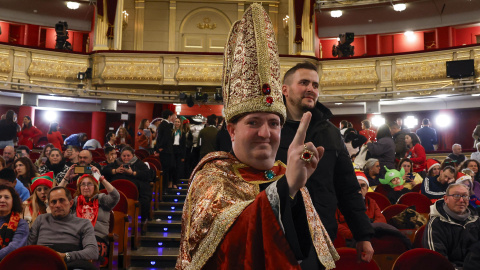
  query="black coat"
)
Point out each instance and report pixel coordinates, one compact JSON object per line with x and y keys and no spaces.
{"x":143,"y":173}
{"x":334,"y":182}
{"x":165,"y":137}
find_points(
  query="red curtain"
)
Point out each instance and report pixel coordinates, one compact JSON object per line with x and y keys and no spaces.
{"x":100,"y":7}
{"x":111,"y":11}
{"x":298,"y":8}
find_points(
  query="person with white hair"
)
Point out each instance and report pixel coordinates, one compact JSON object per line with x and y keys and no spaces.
{"x":456,"y":154}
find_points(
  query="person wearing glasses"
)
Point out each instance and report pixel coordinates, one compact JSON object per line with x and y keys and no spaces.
{"x":454,"y":226}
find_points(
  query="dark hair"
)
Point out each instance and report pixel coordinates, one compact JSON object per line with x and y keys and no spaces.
{"x":366,"y":123}
{"x":30,"y":172}
{"x":109,"y":135}
{"x":291,"y":71}
{"x":383,"y":131}
{"x":108,"y":149}
{"x":394,"y":125}
{"x":449,"y":168}
{"x":211,"y":119}
{"x":448,"y":162}
{"x":425,"y":122}
{"x":344,"y":123}
{"x":7,"y":174}
{"x":67,"y":192}
{"x":58,"y":150}
{"x":53,"y":127}
{"x":465,"y":163}
{"x":76,"y":148}
{"x":350,"y":125}
{"x":29,"y":124}
{"x":9,"y":116}
{"x":166,"y":113}
{"x":82,"y":136}
{"x":128,"y":148}
{"x":24,"y":147}
{"x":415,"y":139}
{"x":142,"y":124}
{"x":16,"y":202}
{"x":399,"y":167}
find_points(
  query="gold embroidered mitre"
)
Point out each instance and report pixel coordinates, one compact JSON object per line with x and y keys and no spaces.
{"x":251,"y":67}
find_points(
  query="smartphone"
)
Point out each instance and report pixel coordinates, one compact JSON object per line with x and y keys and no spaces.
{"x":83,"y":170}
{"x":44,"y":159}
{"x":97,"y":175}
{"x":126,"y":166}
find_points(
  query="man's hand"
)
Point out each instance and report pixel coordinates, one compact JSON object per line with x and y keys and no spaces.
{"x":298,"y":170}
{"x":61,"y":255}
{"x":364,"y":251}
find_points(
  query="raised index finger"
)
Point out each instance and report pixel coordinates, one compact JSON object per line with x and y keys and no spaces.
{"x":302,"y":129}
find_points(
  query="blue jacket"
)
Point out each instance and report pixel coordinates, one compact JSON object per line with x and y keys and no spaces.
{"x":22,"y":191}
{"x":74,"y":140}
{"x":432,"y":188}
{"x":428,"y":137}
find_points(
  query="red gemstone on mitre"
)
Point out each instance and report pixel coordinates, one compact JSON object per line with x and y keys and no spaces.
{"x":269,"y":100}
{"x":306,"y":155}
{"x":266,"y":89}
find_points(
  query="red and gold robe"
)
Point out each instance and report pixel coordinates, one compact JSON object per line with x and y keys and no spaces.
{"x":228,"y":223}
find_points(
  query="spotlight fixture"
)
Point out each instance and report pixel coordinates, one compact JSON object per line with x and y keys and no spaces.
{"x":85,"y":75}
{"x":218,"y":95}
{"x":190,"y":101}
{"x":61,"y":29}
{"x":399,"y":7}
{"x":73,"y":5}
{"x":336,"y":13}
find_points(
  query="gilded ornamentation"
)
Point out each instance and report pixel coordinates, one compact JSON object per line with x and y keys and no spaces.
{"x":349,"y":74}
{"x":5,"y":66}
{"x":199,"y":72}
{"x":425,"y":67}
{"x":207,"y":24}
{"x":56,"y":67}
{"x":132,"y":70}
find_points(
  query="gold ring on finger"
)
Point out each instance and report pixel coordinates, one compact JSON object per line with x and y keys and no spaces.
{"x":306,"y":155}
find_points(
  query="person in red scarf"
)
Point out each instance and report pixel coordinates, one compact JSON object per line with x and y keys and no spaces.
{"x":37,"y":203}
{"x":90,"y":204}
{"x":28,"y":133}
{"x":13,"y":229}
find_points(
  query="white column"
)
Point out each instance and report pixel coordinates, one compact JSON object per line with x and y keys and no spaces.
{"x":139,"y":25}
{"x":307,"y":31}
{"x":118,"y":26}
{"x":100,"y":41}
{"x":273,"y":13}
{"x":240,"y":10}
{"x":292,"y":47}
{"x":172,"y":38}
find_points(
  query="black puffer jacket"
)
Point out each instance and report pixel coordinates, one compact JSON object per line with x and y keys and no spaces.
{"x":450,"y":237}
{"x":333,"y":183}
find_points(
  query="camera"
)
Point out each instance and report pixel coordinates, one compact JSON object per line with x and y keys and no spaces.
{"x":61,"y":28}
{"x":126,"y":166}
{"x":83,"y":170}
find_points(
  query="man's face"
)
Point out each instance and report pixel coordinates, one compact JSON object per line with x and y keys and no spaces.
{"x":363,"y":187}
{"x":399,"y":122}
{"x":24,"y":153}
{"x":84,"y":158}
{"x":74,"y":154}
{"x":111,"y":156}
{"x":255,"y":139}
{"x":446,"y":177}
{"x":394,"y":130}
{"x":6,"y":183}
{"x":457,"y":150}
{"x":8,"y":153}
{"x":172,"y":118}
{"x":301,"y":89}
{"x":458,"y":206}
{"x":59,"y":203}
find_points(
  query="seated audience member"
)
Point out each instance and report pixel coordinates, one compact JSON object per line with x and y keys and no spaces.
{"x":78,"y":139}
{"x":110,"y":154}
{"x":353,"y":141}
{"x":392,"y":183}
{"x":453,"y":226}
{"x":465,"y":179}
{"x":110,"y":139}
{"x":476,"y":155}
{"x":56,"y":164}
{"x":434,"y":187}
{"x":399,"y":138}
{"x":411,"y":178}
{"x":24,"y":150}
{"x":373,"y":211}
{"x":73,"y":151}
{"x":473,"y":165}
{"x":448,"y":162}
{"x":25,"y":171}
{"x":456,"y":154}
{"x":433,"y":167}
{"x":7,"y":178}
{"x":383,"y":149}
{"x":37,"y":203}
{"x":367,"y":132}
{"x":90,"y":204}
{"x":72,"y":237}
{"x":372,"y":169}
{"x":9,"y":156}
{"x":85,"y":159}
{"x":416,"y":153}
{"x":129,"y":167}
{"x":92,"y":144}
{"x":44,"y":155}
{"x":13,"y":229}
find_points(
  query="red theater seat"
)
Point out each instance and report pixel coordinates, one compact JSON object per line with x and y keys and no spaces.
{"x":422,"y":203}
{"x":33,"y":257}
{"x":380,"y":199}
{"x":393,"y":210}
{"x":422,"y":259}
{"x":348,"y":261}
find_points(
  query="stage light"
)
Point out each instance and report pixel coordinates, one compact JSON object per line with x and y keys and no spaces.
{"x":336,"y":13}
{"x":399,"y":7}
{"x":443,"y":120}
{"x":50,"y":116}
{"x":73,"y":5}
{"x":378,"y":120}
{"x":410,"y":121}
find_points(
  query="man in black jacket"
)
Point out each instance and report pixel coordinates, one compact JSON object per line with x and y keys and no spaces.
{"x":164,"y":147}
{"x":333,"y":183}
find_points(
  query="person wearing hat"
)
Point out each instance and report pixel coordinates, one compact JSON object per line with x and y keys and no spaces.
{"x":393,"y":184}
{"x":466,"y":179}
{"x":433,"y":167}
{"x":90,"y":204}
{"x":37,"y":203}
{"x":373,"y":210}
{"x":243,"y":207}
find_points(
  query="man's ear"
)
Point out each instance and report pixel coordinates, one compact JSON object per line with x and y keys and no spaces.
{"x":71,"y":203}
{"x":231,"y":130}
{"x":285,"y":90}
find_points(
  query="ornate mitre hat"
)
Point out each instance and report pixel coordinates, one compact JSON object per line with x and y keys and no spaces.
{"x":251,"y":67}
